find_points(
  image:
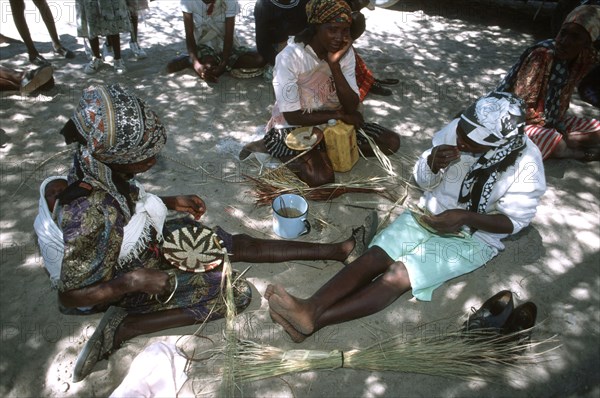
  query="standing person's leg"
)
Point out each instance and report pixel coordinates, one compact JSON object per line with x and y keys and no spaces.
{"x":48,"y":19}
{"x":115,"y":43}
{"x":95,"y":63}
{"x":18,"y":13}
{"x":134,"y":6}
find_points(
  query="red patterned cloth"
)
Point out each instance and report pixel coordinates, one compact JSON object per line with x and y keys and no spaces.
{"x":364,"y":77}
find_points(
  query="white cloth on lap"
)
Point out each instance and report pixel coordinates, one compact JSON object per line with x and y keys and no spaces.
{"x":158,"y":371}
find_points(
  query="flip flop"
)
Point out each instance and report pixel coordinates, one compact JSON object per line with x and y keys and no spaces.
{"x":100,"y":344}
{"x":34,"y":79}
{"x":64,"y":52}
{"x":363,"y":235}
{"x":387,"y":82}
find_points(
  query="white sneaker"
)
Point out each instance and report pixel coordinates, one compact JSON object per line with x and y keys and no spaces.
{"x":120,"y":67}
{"x":107,"y":53}
{"x":137,"y":51}
{"x":93,"y":66}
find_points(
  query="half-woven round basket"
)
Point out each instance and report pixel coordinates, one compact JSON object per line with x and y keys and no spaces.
{"x":192,"y":248}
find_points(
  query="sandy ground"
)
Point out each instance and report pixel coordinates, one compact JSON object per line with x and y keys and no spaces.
{"x":445,"y":56}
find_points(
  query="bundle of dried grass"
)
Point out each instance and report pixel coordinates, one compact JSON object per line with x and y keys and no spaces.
{"x":281,"y":181}
{"x":452,"y":355}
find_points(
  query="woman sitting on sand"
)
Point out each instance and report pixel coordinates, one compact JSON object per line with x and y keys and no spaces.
{"x":314,"y":81}
{"x":111,"y":228}
{"x":482,"y":178}
{"x":546,"y":76}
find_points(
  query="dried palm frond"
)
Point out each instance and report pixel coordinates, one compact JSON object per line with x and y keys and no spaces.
{"x":383,"y":159}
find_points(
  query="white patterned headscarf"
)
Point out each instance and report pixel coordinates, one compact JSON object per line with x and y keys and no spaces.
{"x":496,"y":120}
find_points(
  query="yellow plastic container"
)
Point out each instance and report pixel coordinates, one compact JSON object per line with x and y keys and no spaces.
{"x":340,"y":142}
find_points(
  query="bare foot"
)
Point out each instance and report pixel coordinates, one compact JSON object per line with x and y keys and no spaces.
{"x":295,"y":335}
{"x":269,"y":292}
{"x":255,"y":146}
{"x":291,"y":309}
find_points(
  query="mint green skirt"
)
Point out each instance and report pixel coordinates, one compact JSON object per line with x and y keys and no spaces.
{"x":430,"y":259}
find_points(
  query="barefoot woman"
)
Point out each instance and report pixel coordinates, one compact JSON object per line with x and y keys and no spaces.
{"x":314,"y":81}
{"x":483,"y":177}
{"x":110,"y":228}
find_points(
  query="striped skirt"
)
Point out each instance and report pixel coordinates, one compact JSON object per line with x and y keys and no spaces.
{"x":275,"y":139}
{"x":547,"y":138}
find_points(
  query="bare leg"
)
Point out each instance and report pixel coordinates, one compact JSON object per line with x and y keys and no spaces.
{"x":250,"y":60}
{"x":10,"y":79}
{"x":48,"y":19}
{"x":115,"y":42}
{"x":18,"y":11}
{"x":562,"y":151}
{"x":388,"y":142}
{"x":314,"y":168}
{"x":305,"y":315}
{"x":134,"y":27}
{"x":134,"y":325}
{"x":95,"y":47}
{"x":253,"y":250}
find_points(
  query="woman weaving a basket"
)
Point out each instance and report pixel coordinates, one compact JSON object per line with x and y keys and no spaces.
{"x":482,"y":179}
{"x":105,"y":240}
{"x":314,"y":81}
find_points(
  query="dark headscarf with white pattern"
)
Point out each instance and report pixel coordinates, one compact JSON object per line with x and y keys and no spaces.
{"x":114,"y":127}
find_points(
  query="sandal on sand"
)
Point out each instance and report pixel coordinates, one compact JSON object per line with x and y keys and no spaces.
{"x":387,"y":82}
{"x":34,"y":79}
{"x":363,"y":235}
{"x":39,"y":61}
{"x":100,"y":345}
{"x":64,"y":52}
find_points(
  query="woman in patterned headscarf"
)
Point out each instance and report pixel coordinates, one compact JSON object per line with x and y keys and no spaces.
{"x":482,"y":179}
{"x":107,"y":254}
{"x":314,"y":81}
{"x":546,"y":76}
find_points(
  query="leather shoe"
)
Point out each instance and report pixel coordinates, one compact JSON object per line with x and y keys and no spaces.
{"x":493,"y":314}
{"x":521,"y":319}
{"x":378,"y":89}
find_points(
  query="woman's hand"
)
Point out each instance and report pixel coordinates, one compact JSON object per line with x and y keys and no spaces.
{"x":354,"y":118}
{"x":442,"y":156}
{"x":334,"y":58}
{"x":205,"y":71}
{"x":150,"y":281}
{"x":448,"y":221}
{"x":186,"y":203}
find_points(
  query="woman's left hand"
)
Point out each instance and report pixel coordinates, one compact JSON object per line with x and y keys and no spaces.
{"x":448,"y":221}
{"x":188,"y":203}
{"x":335,"y":57}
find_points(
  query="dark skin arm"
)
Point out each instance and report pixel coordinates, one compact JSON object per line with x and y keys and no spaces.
{"x":203,"y":70}
{"x":143,"y":280}
{"x":300,"y":118}
{"x":348,"y":98}
{"x":453,"y":220}
{"x":185,"y":203}
{"x":442,"y":156}
{"x":227,"y":47}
